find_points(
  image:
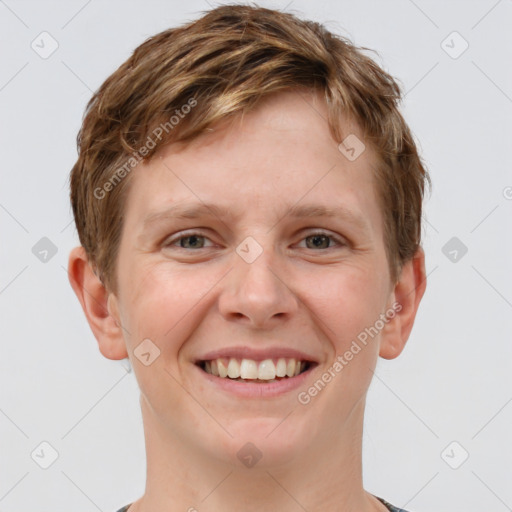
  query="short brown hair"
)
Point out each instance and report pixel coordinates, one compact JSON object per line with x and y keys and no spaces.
{"x":221,"y":65}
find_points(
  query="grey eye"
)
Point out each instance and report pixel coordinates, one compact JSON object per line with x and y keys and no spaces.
{"x":319,"y":241}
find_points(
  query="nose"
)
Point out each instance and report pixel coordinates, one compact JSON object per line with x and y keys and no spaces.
{"x":258,"y":293}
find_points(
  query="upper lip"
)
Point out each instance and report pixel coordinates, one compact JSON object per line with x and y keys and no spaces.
{"x":257,"y":354}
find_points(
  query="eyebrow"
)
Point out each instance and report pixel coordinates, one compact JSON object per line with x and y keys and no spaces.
{"x":194,"y":211}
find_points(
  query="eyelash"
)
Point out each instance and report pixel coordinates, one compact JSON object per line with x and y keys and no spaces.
{"x":172,"y":242}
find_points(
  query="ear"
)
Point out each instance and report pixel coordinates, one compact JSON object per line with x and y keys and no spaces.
{"x":100,"y":307}
{"x":407,"y":293}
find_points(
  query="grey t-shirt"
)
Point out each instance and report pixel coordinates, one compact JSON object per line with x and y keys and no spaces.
{"x":390,"y":507}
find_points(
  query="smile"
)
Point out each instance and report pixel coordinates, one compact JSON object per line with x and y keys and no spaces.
{"x":250,"y":370}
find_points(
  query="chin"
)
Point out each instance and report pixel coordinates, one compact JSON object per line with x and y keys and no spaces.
{"x":263,"y":443}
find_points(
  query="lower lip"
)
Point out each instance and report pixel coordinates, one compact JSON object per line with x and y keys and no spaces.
{"x":253,"y":390}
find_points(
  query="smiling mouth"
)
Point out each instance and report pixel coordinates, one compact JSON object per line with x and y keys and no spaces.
{"x":250,"y":370}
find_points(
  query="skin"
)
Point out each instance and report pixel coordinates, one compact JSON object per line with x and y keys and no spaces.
{"x":190,"y":299}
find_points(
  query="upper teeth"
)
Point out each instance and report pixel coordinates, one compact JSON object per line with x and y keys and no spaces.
{"x":250,"y":369}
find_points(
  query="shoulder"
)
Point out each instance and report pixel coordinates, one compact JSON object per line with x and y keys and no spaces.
{"x":391,"y":508}
{"x":125,"y":508}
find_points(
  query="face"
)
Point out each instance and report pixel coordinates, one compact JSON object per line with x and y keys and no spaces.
{"x":228,"y":252}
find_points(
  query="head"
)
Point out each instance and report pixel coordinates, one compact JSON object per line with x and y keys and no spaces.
{"x":251,"y":114}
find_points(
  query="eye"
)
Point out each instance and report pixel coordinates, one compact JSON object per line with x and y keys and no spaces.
{"x":188,"y":241}
{"x":321,"y":240}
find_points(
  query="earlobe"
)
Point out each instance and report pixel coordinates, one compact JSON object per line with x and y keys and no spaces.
{"x":407,"y":294}
{"x":100,"y":306}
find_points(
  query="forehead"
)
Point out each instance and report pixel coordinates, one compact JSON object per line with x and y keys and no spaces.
{"x":281,"y":154}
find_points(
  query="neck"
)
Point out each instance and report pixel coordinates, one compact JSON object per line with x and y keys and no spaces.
{"x":327,"y":476}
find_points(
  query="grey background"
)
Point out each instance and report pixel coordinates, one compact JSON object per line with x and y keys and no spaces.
{"x":451,"y":383}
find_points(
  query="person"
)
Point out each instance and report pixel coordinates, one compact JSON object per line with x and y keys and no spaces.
{"x":248,"y":201}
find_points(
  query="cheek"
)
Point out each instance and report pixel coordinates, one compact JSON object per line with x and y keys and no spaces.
{"x":345,"y":305}
{"x":163,"y":305}
{"x":348,"y":301}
